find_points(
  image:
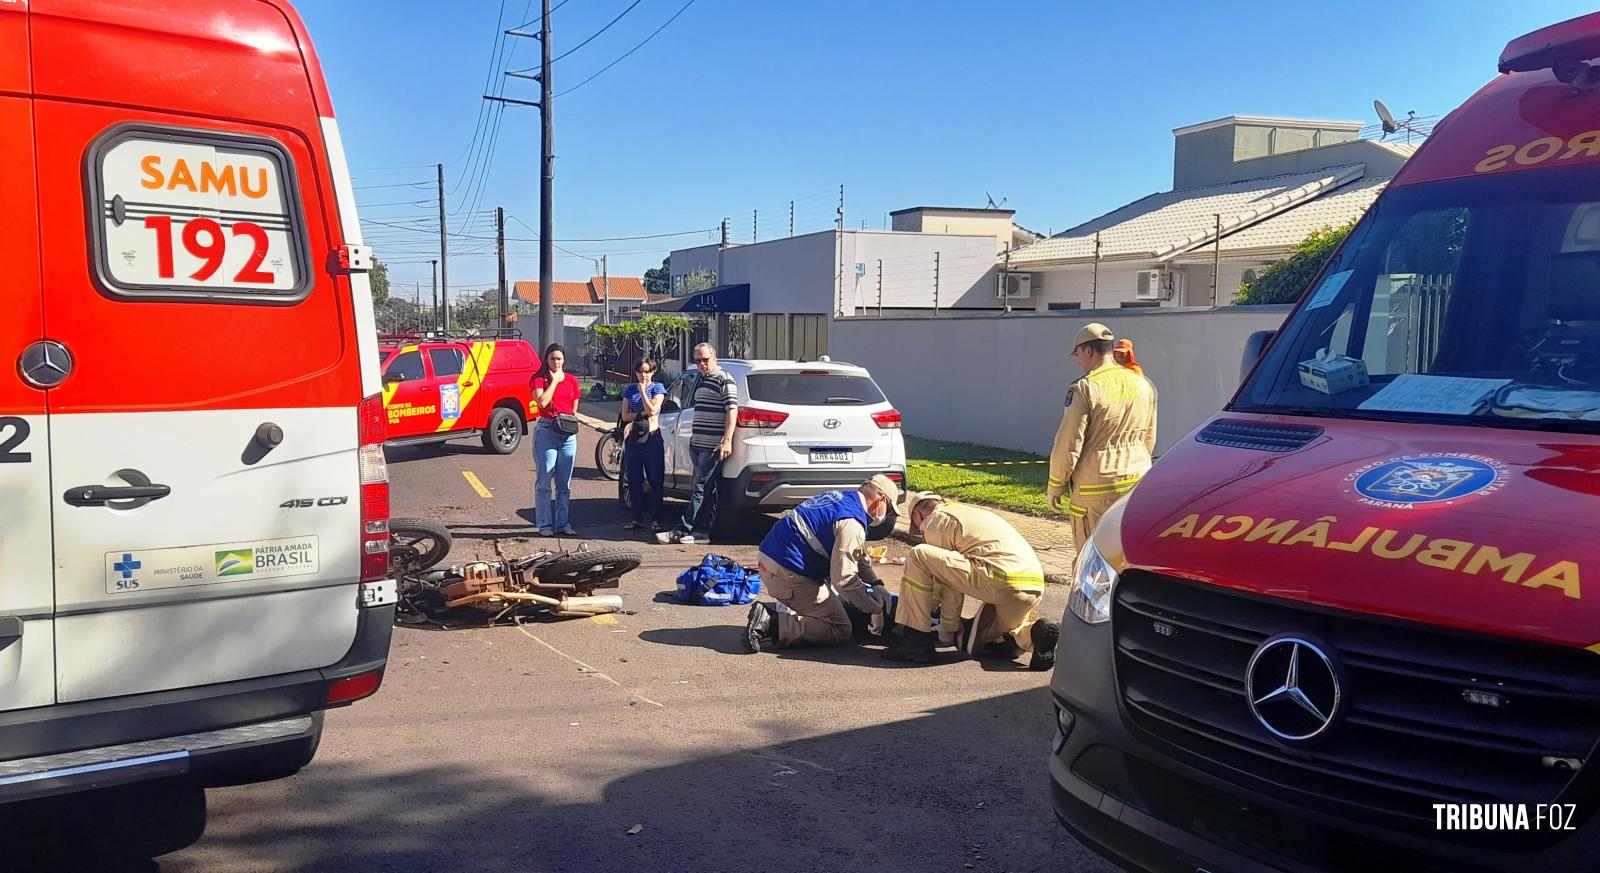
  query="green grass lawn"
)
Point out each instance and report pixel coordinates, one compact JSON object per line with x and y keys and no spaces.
{"x":1017,"y":488}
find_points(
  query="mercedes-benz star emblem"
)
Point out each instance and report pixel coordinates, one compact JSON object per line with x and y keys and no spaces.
{"x":1293,"y":688}
{"x":45,"y":364}
{"x":831,"y":423}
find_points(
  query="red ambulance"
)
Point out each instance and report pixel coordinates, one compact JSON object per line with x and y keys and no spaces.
{"x":193,"y":535}
{"x":1344,"y":625}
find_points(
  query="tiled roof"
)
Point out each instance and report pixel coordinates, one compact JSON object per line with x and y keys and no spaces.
{"x":590,"y":293}
{"x":1333,"y":209}
{"x":1165,"y":225}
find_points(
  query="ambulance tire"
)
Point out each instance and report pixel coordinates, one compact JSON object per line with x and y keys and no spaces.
{"x":504,"y":433}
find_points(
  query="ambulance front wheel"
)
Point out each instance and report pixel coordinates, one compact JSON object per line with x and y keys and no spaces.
{"x":504,"y":432}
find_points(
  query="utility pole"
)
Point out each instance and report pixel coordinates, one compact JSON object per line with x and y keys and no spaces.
{"x":791,"y":218}
{"x":880,"y":287}
{"x":1094,"y":286}
{"x":755,"y":233}
{"x":721,"y":248}
{"x":416,"y":296}
{"x":500,"y":254}
{"x":1216,"y":260}
{"x":433,"y":321}
{"x":935,"y":283}
{"x":444,"y":255}
{"x":605,"y":282}
{"x":839,"y":244}
{"x":546,"y":172}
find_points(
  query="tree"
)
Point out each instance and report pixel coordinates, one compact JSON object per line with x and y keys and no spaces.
{"x":378,"y":278}
{"x":658,"y":280}
{"x":1286,"y":280}
{"x":697,"y":280}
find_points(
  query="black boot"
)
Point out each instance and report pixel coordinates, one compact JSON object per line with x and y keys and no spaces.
{"x":760,"y":628}
{"x":913,"y":646}
{"x":1044,"y":633}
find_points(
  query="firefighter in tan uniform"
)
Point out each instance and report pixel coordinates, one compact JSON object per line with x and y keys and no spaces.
{"x":970,"y":552}
{"x":1107,"y":433}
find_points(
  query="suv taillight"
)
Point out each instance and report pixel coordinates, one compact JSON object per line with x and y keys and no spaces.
{"x":760,"y":419}
{"x":887,"y":418}
{"x":374,"y":492}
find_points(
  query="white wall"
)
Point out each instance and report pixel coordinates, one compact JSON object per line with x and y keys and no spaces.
{"x":801,"y":274}
{"x":1118,"y":284}
{"x":1001,"y":380}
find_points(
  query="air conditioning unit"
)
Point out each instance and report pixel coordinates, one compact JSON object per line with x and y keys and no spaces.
{"x":1157,"y":285}
{"x":1014,"y":286}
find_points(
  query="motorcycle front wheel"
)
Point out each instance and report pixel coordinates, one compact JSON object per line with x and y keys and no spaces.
{"x":608,"y":456}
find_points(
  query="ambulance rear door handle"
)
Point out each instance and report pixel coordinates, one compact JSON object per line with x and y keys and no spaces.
{"x":139,"y":491}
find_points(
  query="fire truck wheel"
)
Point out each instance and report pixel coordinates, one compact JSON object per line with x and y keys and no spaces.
{"x":504,"y":432}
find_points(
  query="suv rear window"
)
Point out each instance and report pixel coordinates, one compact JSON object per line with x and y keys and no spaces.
{"x":814,"y":389}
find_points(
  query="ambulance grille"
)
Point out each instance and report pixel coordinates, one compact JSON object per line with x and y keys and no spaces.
{"x":1261,"y":436}
{"x":1408,"y":736}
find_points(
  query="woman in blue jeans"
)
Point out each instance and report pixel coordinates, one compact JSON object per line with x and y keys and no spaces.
{"x":643,"y":452}
{"x":556,"y":393}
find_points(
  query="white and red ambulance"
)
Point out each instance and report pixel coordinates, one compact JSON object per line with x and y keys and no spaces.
{"x":193,"y":529}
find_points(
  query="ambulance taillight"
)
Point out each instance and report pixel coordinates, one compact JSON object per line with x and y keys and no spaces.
{"x":374,"y":492}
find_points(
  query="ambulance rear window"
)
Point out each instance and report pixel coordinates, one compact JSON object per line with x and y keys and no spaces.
{"x":195,"y":215}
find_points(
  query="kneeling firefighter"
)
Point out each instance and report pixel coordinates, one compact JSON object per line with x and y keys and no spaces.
{"x":813,"y":563}
{"x":970,"y":552}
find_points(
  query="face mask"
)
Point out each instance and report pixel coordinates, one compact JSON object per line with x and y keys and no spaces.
{"x":877,"y":518}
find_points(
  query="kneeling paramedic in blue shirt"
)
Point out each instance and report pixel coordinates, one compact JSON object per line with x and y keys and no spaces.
{"x":812,"y":562}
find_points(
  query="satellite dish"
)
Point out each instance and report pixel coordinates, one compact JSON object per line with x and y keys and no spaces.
{"x":1385,"y":116}
{"x":992,"y":204}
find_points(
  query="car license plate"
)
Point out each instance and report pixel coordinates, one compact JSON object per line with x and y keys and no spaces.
{"x":830,"y":456}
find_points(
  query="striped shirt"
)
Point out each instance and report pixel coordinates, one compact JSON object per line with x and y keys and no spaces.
{"x":713,"y":397}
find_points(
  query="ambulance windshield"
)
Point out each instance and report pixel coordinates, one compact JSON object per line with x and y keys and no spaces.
{"x":1475,"y":299}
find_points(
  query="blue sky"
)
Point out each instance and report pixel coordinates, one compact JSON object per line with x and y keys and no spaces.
{"x":1064,"y":109}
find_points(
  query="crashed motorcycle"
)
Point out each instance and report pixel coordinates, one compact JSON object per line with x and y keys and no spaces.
{"x":545,"y":583}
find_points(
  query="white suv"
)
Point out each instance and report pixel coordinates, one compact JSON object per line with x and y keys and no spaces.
{"x":803,"y":428}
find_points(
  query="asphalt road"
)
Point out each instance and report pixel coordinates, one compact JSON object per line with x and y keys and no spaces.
{"x":647,"y":741}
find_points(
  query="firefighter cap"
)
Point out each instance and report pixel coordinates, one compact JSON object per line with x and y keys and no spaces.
{"x":1091,"y":332}
{"x":887,"y":488}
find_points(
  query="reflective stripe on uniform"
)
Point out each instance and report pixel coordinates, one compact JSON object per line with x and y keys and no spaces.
{"x":806,"y":534}
{"x":1118,"y":487}
{"x":1011,"y":580}
{"x":906,"y":580}
{"x":1074,"y":509}
{"x":1056,"y":481}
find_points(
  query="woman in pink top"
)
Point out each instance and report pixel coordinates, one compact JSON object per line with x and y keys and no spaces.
{"x":555,"y":392}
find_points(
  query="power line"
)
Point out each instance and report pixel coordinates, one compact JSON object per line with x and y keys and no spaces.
{"x":553,"y":10}
{"x":597,"y":33}
{"x":628,"y":52}
{"x":394,"y":185}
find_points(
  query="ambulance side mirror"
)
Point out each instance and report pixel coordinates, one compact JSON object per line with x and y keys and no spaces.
{"x":1253,"y":347}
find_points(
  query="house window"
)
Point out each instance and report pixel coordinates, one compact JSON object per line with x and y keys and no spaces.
{"x":1249,"y":277}
{"x":1061,"y":307}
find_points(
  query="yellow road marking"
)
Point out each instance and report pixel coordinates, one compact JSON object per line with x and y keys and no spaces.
{"x":477,"y":485}
{"x":603,"y":619}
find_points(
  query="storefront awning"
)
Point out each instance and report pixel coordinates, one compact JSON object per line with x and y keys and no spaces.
{"x":723,"y":298}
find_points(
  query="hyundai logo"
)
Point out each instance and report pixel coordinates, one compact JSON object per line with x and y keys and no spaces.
{"x":831,"y":423}
{"x":1293,"y":688}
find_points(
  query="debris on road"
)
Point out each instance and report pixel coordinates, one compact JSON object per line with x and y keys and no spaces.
{"x":635,"y":829}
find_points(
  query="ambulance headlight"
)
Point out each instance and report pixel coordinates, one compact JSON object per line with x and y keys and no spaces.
{"x":1090,"y":599}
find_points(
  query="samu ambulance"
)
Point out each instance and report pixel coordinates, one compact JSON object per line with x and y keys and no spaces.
{"x":193,"y":527}
{"x":1353,"y":622}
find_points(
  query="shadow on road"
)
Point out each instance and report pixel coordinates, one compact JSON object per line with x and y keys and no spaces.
{"x":913,"y":795}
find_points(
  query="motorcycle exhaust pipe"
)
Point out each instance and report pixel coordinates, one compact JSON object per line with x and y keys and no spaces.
{"x":597,"y":604}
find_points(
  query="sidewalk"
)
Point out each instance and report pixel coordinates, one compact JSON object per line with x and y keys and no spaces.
{"x":599,"y":414}
{"x":1052,"y":540}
